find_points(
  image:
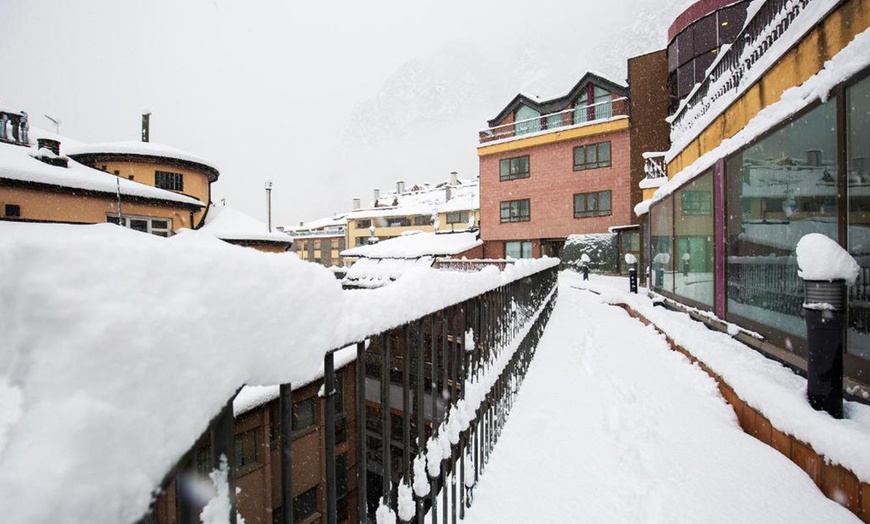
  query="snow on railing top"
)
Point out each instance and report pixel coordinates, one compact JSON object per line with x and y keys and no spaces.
{"x":596,"y":112}
{"x":772,"y":27}
{"x":119,"y":347}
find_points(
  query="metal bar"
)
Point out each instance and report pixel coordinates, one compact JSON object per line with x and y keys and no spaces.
{"x":406,"y":403}
{"x":433,"y":346}
{"x":386,"y":437}
{"x":361,"y":440}
{"x":285,"y":409}
{"x":419,"y":400}
{"x":329,"y":438}
{"x":223,"y":444}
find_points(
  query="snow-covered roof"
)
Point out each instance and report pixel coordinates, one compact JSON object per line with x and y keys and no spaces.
{"x":231,"y":224}
{"x":424,"y":200}
{"x":418,"y":245}
{"x":17,"y":163}
{"x":132,"y":147}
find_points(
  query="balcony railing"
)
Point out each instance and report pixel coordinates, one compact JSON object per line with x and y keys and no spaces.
{"x":464,"y":264}
{"x":569,"y":117}
{"x":654,"y":165}
{"x":737,"y":64}
{"x":14,"y":127}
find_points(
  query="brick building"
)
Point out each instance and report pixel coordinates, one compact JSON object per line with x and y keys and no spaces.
{"x":554,"y":168}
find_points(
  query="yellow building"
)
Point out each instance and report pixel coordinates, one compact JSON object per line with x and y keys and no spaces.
{"x":320,"y":240}
{"x":453,"y":205}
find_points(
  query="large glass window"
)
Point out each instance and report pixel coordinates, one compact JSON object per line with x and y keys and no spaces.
{"x":779,"y":189}
{"x":662,"y":245}
{"x":858,"y":176}
{"x":592,"y":156}
{"x":527,"y":120}
{"x":603,"y":103}
{"x":693,"y":232}
{"x":581,"y":108}
{"x":595,"y":204}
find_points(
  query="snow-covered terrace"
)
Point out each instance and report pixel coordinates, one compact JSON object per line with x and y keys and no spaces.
{"x":106,"y":380}
{"x":425,"y":200}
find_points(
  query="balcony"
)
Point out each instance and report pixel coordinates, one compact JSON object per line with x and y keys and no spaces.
{"x":654,"y":166}
{"x":739,"y":65}
{"x":569,"y":118}
{"x":14,"y":127}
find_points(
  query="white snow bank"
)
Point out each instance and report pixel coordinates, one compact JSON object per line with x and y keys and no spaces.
{"x":105,"y":363}
{"x":769,"y":387}
{"x":821,"y":258}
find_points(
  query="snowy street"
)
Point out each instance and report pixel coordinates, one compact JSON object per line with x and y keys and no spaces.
{"x":612,"y":426}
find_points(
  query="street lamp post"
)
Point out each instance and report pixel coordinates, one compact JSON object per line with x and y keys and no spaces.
{"x":269,"y":203}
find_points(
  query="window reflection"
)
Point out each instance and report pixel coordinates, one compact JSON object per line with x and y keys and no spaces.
{"x":661,"y":245}
{"x":778,"y":190}
{"x":693,"y":226}
{"x":857,"y":153}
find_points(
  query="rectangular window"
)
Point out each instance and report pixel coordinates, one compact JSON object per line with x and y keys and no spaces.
{"x":515,"y":211}
{"x":858,"y":181}
{"x":12,"y":210}
{"x":422,"y":220}
{"x":161,"y":227}
{"x":518,"y":250}
{"x":696,"y":203}
{"x":247,"y":447}
{"x":363,"y":224}
{"x":592,"y":204}
{"x":513,"y":168}
{"x":169,"y":180}
{"x":341,"y":475}
{"x":398,"y":222}
{"x":305,"y":505}
{"x":592,"y":156}
{"x":457,"y":217}
{"x":304,"y":415}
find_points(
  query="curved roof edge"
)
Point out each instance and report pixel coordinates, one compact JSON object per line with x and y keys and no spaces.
{"x":142,"y":150}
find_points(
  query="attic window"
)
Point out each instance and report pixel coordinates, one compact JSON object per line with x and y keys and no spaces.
{"x":169,"y":180}
{"x":12,"y":210}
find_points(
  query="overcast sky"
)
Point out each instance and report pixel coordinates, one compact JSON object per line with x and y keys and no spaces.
{"x":266,"y":88}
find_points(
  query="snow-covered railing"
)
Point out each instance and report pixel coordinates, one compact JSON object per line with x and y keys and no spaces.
{"x":470,"y":264}
{"x":654,"y":165}
{"x":737,"y":62}
{"x":14,"y":127}
{"x":573,"y":116}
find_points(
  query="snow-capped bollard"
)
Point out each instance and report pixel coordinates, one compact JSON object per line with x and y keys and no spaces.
{"x":631,"y":260}
{"x":826,"y":269}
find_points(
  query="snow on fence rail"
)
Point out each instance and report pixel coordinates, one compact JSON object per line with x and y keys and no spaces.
{"x":119,"y":349}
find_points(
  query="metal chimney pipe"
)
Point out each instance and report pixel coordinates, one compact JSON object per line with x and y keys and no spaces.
{"x":146,"y":126}
{"x":400,"y":187}
{"x":355,"y":204}
{"x":377,"y":194}
{"x":454,"y":178}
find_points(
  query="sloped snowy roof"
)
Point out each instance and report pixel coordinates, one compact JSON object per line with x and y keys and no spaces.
{"x":16,"y":163}
{"x":424,"y":200}
{"x":231,"y":224}
{"x":418,"y":245}
{"x":132,"y":147}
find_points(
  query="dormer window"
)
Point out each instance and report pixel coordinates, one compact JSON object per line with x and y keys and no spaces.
{"x":600,"y":107}
{"x":527,"y":120}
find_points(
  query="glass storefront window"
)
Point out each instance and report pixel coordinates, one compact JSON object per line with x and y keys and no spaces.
{"x":778,"y":190}
{"x":858,"y":191}
{"x":661,"y":245}
{"x":693,"y":231}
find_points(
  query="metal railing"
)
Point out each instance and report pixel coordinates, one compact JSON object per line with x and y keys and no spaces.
{"x":768,"y":25}
{"x":569,"y":117}
{"x":14,"y":127}
{"x":482,"y":345}
{"x":470,"y":265}
{"x":654,"y":165}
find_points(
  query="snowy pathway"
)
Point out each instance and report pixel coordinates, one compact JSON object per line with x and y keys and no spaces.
{"x":612,"y":426}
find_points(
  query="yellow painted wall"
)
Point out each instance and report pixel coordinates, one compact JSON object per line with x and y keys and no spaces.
{"x":556,"y":136}
{"x":195,"y":182}
{"x":794,"y":68}
{"x":64,"y":207}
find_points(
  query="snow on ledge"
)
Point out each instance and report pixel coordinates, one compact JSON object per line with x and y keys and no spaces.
{"x":95,"y":363}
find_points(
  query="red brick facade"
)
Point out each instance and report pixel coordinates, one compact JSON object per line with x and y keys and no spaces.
{"x":550,"y":188}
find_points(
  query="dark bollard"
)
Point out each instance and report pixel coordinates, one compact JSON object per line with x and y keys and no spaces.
{"x":824,"y":303}
{"x":585,"y":272}
{"x":632,"y":279}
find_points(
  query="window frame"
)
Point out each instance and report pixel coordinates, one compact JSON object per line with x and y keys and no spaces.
{"x":514,"y":211}
{"x":298,"y":431}
{"x":510,"y":168}
{"x":112,"y":218}
{"x":169,"y":180}
{"x":239,"y":438}
{"x":457,"y":217}
{"x":598,"y":163}
{"x":597,"y":212}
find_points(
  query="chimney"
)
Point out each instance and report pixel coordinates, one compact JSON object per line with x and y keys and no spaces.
{"x":146,"y":125}
{"x":355,"y":204}
{"x":377,"y":194}
{"x":448,"y":193}
{"x":52,"y":155}
{"x":47,"y":143}
{"x":454,"y":178}
{"x":301,"y":223}
{"x":400,"y":187}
